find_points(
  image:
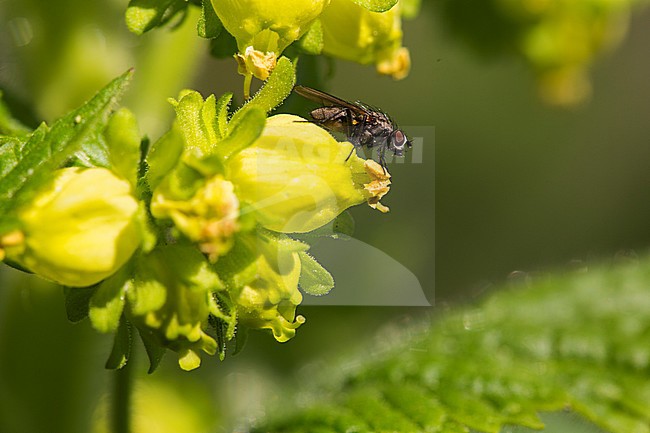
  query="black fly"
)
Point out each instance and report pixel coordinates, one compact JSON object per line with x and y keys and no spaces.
{"x":362,"y":125}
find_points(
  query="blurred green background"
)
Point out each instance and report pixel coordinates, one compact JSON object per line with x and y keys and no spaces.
{"x":506,"y":184}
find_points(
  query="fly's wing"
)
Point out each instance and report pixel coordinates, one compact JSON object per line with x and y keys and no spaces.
{"x":328,"y":100}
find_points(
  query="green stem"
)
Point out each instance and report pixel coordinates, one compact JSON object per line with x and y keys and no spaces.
{"x":121,"y":400}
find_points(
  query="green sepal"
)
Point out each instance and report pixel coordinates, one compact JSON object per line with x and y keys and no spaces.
{"x":77,"y":302}
{"x":240,"y":339}
{"x":312,"y":41}
{"x":376,"y":5}
{"x":223,"y":329}
{"x":196,"y":119}
{"x":47,"y":149}
{"x":147,"y":229}
{"x":314,"y":279}
{"x":275,"y":90}
{"x":107,"y":303}
{"x":282,"y":241}
{"x":209,"y":25}
{"x":144,"y":15}
{"x":223,"y":103}
{"x":208,"y":166}
{"x":152,"y":345}
{"x":183,"y":182}
{"x":164,"y":155}
{"x":243,"y":131}
{"x":123,"y":140}
{"x":121,"y":346}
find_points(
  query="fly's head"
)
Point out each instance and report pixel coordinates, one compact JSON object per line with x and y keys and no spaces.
{"x":398,"y":142}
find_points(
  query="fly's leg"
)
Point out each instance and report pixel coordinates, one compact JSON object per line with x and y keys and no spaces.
{"x":351,"y":131}
{"x":382,"y":159}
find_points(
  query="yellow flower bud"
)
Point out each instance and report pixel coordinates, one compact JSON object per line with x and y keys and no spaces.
{"x":81,"y":229}
{"x":354,"y":33}
{"x":297,"y":177}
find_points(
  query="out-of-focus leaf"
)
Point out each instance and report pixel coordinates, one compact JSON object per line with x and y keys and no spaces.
{"x":8,"y":124}
{"x":579,"y":341}
{"x":144,"y":15}
{"x":410,"y":8}
{"x":77,"y":301}
{"x":152,"y":346}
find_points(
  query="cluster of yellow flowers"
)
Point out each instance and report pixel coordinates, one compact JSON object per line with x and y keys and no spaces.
{"x":199,"y":243}
{"x":340,"y":28}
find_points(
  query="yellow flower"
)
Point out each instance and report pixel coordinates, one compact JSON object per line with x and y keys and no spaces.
{"x":354,"y":33}
{"x":267,"y":26}
{"x":208,"y":218}
{"x":297,"y":177}
{"x":81,"y":229}
{"x":266,"y":290}
{"x":263,"y":29}
{"x":172,"y":297}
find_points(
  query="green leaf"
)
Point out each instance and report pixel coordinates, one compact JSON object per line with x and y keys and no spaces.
{"x":47,"y":149}
{"x":10,"y":152}
{"x":123,"y":138}
{"x":77,"y":300}
{"x":578,"y":341}
{"x":314,"y":279}
{"x":312,"y":41}
{"x":410,"y":8}
{"x":144,"y":15}
{"x":275,"y":89}
{"x":121,"y":347}
{"x":209,"y":25}
{"x":107,"y":303}
{"x":376,"y":5}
